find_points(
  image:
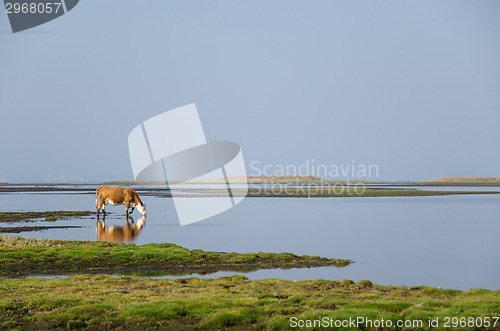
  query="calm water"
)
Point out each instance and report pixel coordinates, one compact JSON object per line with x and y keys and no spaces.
{"x":447,"y":241}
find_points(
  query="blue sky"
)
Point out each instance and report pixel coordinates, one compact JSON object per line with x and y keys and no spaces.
{"x":411,"y":86}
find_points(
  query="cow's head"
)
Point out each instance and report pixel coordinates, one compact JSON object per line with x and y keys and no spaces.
{"x":142,"y":208}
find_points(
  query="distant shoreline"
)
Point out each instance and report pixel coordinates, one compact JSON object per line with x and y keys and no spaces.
{"x":277,"y":190}
{"x":443,"y":181}
{"x":298,"y":180}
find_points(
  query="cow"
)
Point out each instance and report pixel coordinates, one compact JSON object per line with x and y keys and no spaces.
{"x":118,"y":196}
{"x":124,"y":234}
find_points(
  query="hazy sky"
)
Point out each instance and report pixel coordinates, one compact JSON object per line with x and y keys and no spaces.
{"x":410,"y":86}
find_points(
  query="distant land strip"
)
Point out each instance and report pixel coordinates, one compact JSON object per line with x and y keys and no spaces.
{"x":248,"y":179}
{"x":351,"y":192}
{"x":315,"y":180}
{"x":463,"y":180}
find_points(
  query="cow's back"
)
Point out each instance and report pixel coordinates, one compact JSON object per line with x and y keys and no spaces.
{"x":116,"y":194}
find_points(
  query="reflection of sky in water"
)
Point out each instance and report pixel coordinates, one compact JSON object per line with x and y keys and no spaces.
{"x":446,"y":241}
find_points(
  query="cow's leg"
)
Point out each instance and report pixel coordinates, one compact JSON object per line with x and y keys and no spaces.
{"x":99,"y":206}
{"x":127,"y":206}
{"x":104,"y":208}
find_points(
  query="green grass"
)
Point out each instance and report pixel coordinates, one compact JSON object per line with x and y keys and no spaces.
{"x":103,"y":302}
{"x":21,"y":256}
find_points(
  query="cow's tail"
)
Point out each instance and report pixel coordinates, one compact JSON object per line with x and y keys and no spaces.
{"x":97,"y":197}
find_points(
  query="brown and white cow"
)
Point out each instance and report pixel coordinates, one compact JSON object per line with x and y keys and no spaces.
{"x":118,"y":196}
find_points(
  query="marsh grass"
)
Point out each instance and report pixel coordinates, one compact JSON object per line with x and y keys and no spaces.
{"x":104,"y":302}
{"x":9,"y":243}
{"x":48,"y":216}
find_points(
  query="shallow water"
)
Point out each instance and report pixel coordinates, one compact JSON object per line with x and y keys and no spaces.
{"x":445,"y":241}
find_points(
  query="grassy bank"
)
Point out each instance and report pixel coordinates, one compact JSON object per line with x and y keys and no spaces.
{"x":21,"y":256}
{"x":103,"y":302}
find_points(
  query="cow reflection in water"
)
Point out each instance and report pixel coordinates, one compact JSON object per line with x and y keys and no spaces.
{"x":124,"y":234}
